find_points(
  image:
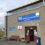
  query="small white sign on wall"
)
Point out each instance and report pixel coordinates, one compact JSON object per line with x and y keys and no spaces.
{"x":19,"y":27}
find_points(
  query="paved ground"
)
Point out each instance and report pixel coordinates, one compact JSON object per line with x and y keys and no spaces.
{"x":3,"y":42}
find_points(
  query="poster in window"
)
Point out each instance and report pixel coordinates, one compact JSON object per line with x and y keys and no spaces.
{"x":35,"y":33}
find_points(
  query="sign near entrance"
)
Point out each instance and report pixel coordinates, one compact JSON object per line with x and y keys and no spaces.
{"x":12,"y":28}
{"x":19,"y":27}
{"x":33,"y":16}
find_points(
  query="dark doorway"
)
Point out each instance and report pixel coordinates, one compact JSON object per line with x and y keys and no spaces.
{"x":31,"y":35}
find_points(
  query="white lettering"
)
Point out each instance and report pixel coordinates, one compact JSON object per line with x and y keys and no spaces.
{"x":28,"y":18}
{"x":19,"y":18}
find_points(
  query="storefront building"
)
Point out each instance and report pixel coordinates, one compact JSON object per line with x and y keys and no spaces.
{"x":27,"y":21}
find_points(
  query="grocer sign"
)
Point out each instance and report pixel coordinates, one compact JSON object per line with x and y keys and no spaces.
{"x":12,"y":28}
{"x":33,"y":16}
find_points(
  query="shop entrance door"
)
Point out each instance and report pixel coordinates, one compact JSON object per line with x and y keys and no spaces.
{"x":27,"y":31}
{"x":31,"y":35}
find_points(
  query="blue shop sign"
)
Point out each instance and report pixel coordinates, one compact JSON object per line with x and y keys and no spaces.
{"x":12,"y":28}
{"x":33,"y":16}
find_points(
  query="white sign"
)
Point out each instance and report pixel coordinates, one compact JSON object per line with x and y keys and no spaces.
{"x":19,"y":27}
{"x":27,"y":31}
{"x":35,"y":33}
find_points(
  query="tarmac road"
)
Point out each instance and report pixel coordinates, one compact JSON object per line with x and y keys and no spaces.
{"x":3,"y":42}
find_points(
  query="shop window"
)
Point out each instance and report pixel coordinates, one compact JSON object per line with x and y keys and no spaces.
{"x":27,"y":32}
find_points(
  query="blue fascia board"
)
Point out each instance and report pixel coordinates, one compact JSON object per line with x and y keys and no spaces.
{"x":28,"y":17}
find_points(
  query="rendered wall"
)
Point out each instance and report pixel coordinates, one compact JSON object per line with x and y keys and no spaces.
{"x":12,"y":21}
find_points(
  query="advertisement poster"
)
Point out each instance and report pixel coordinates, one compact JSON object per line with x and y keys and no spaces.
{"x":35,"y":33}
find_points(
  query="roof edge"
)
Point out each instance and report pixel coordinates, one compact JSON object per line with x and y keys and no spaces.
{"x":22,"y":5}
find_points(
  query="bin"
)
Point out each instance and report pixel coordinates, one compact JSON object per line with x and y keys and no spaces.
{"x":38,"y":40}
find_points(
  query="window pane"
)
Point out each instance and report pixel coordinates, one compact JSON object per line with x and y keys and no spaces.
{"x":25,"y":8}
{"x":22,"y":9}
{"x":37,"y":5}
{"x":32,"y":6}
{"x":18,"y":10}
{"x":41,"y":3}
{"x":28,"y":7}
{"x":10,"y":13}
{"x":14,"y":11}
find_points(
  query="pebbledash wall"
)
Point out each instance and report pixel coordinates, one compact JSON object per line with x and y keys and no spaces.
{"x":12,"y":21}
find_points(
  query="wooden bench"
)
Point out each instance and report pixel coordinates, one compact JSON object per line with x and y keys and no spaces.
{"x":14,"y":37}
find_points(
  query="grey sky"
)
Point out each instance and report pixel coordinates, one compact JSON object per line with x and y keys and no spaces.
{"x":7,"y":5}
